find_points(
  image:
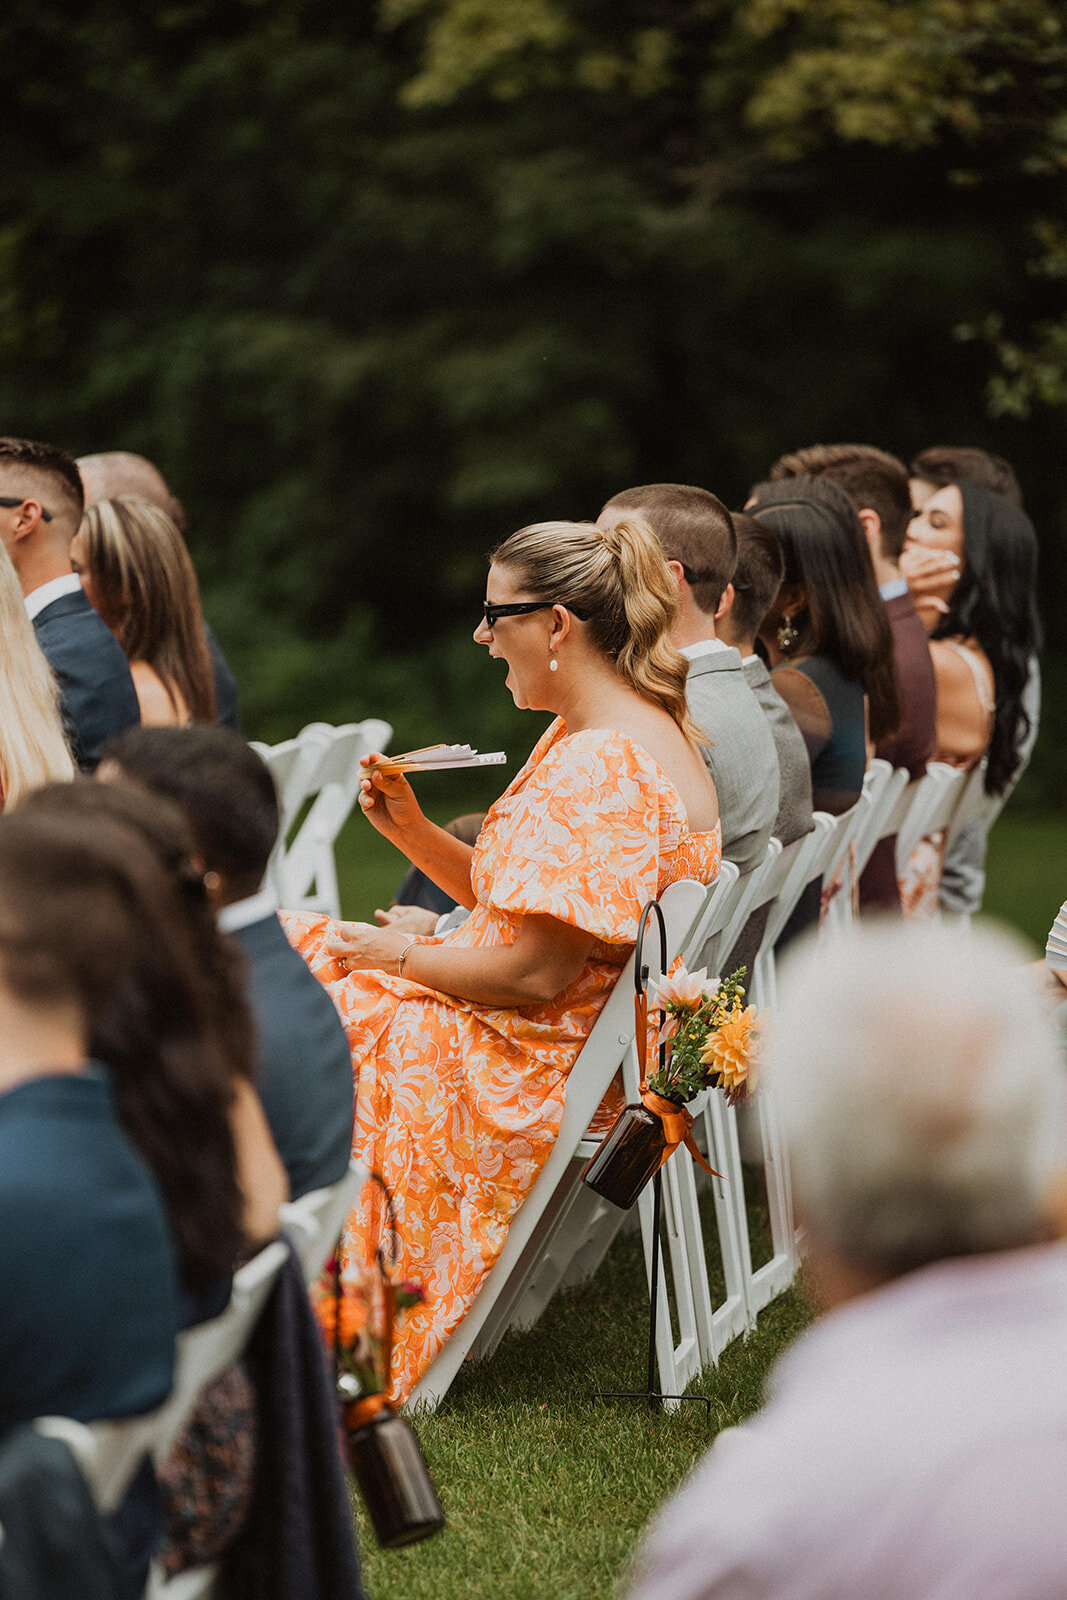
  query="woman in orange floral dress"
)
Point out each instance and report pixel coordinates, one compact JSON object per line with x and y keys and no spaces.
{"x":461,"y":1045}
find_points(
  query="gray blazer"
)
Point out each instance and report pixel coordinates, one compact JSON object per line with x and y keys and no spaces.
{"x":794,"y":808}
{"x":741,"y":758}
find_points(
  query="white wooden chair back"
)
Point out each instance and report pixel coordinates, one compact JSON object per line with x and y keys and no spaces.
{"x":600,"y":1058}
{"x":937,"y":797}
{"x":208,"y":1349}
{"x":884,"y":784}
{"x":321,"y":765}
{"x":312,"y":1223}
{"x":108,"y":1453}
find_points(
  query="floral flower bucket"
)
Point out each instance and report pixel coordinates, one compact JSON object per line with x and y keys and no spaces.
{"x":394,"y":1480}
{"x":629,"y":1157}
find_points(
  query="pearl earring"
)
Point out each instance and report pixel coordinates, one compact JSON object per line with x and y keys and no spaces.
{"x":553,"y":665}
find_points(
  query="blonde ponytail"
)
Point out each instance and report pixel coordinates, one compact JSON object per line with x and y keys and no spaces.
{"x":619,"y":578}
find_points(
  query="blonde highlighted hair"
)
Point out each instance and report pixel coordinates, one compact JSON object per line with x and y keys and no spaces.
{"x":619,"y":578}
{"x":33,"y":747}
{"x":147,"y":593}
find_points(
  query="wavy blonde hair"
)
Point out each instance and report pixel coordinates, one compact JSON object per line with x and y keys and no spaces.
{"x":148,"y":595}
{"x":33,"y":746}
{"x":620,"y":578}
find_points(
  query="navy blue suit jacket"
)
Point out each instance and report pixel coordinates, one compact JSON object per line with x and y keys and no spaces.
{"x":96,"y":690}
{"x":305,"y":1070}
{"x":226,"y":706}
{"x":88,"y":1284}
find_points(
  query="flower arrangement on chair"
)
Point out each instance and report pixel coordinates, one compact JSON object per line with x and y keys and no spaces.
{"x":712,"y":1039}
{"x":358,"y":1321}
{"x":708,"y":1038}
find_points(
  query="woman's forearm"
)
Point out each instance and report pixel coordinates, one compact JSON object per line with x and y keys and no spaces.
{"x":501,"y":975}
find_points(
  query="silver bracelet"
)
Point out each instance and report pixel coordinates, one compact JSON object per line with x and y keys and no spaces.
{"x":404,"y":955}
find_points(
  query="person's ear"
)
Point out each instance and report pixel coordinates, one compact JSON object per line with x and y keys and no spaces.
{"x":726,"y":604}
{"x":562,"y":622}
{"x":27,"y":518}
{"x":872,"y":528}
{"x":678,"y":572}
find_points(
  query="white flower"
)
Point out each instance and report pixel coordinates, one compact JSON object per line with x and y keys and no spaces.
{"x":682,"y":988}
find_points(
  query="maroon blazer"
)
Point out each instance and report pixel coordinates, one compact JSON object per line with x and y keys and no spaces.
{"x":912,"y":745}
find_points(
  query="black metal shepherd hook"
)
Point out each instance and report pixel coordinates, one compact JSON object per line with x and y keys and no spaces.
{"x":651,"y":1395}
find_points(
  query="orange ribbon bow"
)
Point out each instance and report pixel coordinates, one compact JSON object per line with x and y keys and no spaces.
{"x":677,"y":1120}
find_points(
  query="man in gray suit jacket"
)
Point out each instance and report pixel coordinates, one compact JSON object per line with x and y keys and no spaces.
{"x":697,"y":535}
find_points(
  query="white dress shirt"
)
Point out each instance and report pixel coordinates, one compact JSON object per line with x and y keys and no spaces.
{"x":893,"y":589}
{"x":54,"y":589}
{"x":913,"y":1446}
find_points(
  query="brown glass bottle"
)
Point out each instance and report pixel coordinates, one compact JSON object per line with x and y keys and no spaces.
{"x":394,"y":1480}
{"x":630,"y":1155}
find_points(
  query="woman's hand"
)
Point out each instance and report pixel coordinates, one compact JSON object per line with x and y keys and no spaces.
{"x":359,"y":947}
{"x":407,"y":919}
{"x":388,"y":801}
{"x":932,"y":578}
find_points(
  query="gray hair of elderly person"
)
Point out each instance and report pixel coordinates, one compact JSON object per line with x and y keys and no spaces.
{"x":919,"y":1086}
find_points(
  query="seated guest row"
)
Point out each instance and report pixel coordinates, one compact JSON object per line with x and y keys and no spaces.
{"x":460,"y":1044}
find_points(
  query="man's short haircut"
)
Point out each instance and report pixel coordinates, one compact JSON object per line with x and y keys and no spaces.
{"x":47,"y":459}
{"x":757,"y":576}
{"x":693,"y":527}
{"x":873,"y":479}
{"x":942,"y":464}
{"x":222,"y":786}
{"x":918,"y":1081}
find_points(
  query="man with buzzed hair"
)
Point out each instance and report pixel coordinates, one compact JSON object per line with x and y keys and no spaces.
{"x":696,"y":533}
{"x":115,"y":472}
{"x":877,"y":485}
{"x":41,"y":506}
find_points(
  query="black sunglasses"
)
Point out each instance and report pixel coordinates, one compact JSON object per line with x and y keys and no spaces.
{"x":6,"y":500}
{"x":522,"y":608}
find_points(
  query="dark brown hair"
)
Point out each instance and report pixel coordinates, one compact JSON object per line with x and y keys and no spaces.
{"x":148,"y":595}
{"x":942,"y":464}
{"x":872,"y":478}
{"x":49,"y":459}
{"x":757,"y":576}
{"x":845,"y":620}
{"x":694,"y":528}
{"x":108,"y":883}
{"x":223,"y":788}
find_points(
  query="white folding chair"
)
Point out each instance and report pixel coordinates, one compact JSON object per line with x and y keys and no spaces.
{"x":884,"y":785}
{"x":203,"y":1353}
{"x":108,"y":1453}
{"x":937,"y":798}
{"x":321,"y":765}
{"x":600,"y":1058}
{"x":579,"y":1228}
{"x":312,"y":1223}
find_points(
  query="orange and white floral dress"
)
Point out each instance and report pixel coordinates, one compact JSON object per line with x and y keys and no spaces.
{"x":457,"y":1104}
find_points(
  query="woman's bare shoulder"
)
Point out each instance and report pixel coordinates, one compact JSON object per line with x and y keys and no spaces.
{"x":158,"y":710}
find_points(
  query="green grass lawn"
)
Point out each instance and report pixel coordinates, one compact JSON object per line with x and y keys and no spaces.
{"x":545,"y":1488}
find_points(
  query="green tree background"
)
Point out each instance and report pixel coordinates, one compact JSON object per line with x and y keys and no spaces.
{"x":376,"y":285}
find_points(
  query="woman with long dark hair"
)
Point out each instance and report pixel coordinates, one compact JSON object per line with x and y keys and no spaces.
{"x":182,"y":1065}
{"x":827,"y":637}
{"x":982,"y":618}
{"x":971,"y":560}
